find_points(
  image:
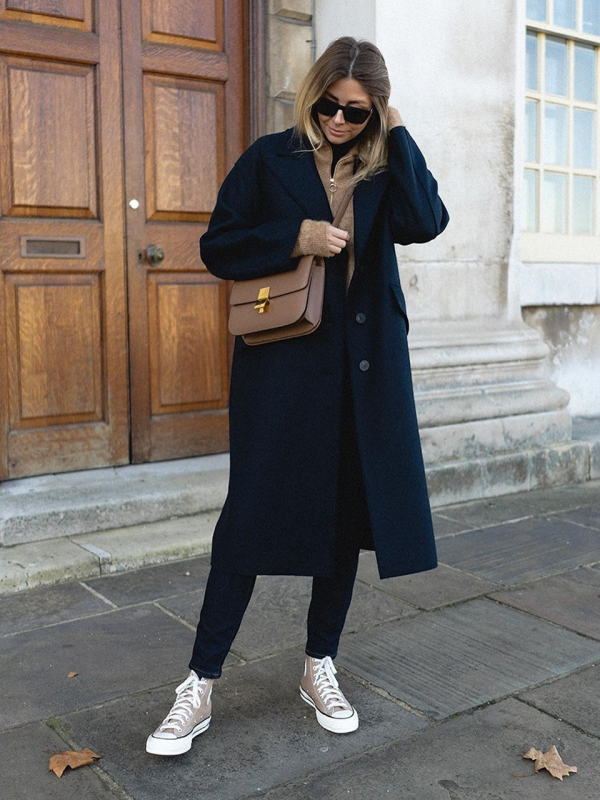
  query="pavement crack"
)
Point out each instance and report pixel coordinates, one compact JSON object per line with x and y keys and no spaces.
{"x":55,"y":724}
{"x":183,"y":622}
{"x":98,"y":595}
{"x":545,"y":711}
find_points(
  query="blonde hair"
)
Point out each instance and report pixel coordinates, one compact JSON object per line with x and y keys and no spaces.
{"x":348,"y":58}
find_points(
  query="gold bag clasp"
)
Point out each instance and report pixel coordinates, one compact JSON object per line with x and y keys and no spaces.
{"x":263,"y":300}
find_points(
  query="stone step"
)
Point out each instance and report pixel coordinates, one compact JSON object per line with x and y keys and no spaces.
{"x":53,"y":506}
{"x":77,"y":525}
{"x":88,"y":555}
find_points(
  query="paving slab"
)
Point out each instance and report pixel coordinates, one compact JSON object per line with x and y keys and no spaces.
{"x":25,"y":753}
{"x":469,"y":758}
{"x":481,"y":513}
{"x":43,"y":563}
{"x":114,"y":653}
{"x":442,"y":526}
{"x":571,"y":599}
{"x":431,"y":589}
{"x":521,"y":551}
{"x":446,"y":661}
{"x":588,"y":516}
{"x":275,"y":619}
{"x":261,"y":735}
{"x":574,"y":699}
{"x":39,"y":607}
{"x":561,"y":498}
{"x":151,"y":583}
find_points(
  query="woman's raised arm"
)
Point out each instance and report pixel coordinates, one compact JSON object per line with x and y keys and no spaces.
{"x":416,"y":211}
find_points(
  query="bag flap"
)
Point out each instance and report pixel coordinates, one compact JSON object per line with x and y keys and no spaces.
{"x":279,"y":284}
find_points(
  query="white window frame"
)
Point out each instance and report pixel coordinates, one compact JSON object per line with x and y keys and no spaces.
{"x":545,"y":248}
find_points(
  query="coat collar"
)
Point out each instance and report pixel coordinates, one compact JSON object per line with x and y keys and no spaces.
{"x":294,"y":166}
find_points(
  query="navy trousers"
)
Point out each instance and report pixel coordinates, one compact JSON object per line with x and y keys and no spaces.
{"x":227,"y":594}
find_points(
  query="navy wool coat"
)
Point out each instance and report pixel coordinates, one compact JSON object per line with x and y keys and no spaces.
{"x":285,"y":397}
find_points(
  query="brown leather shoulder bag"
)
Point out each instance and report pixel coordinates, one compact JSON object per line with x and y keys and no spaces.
{"x":284,"y":305}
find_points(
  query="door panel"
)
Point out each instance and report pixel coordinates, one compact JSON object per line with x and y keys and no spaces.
{"x":195,"y":23}
{"x":184,"y":106}
{"x":63,"y":356}
{"x":63,"y":13}
{"x":184,"y":152}
{"x":46,"y":318}
{"x":49,"y":109}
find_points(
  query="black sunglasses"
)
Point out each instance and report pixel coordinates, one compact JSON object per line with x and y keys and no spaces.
{"x":352,"y":114}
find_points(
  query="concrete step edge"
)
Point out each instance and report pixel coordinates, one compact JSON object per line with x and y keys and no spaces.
{"x":74,"y":513}
{"x":53,"y":561}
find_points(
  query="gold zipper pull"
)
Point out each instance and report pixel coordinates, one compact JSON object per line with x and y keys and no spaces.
{"x":332,"y":188}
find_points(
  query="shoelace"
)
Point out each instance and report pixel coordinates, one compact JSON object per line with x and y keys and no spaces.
{"x":327,"y":686}
{"x":188,"y":692}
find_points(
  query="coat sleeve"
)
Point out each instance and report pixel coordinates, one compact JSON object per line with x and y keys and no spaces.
{"x":240,"y":243}
{"x":416,"y":211}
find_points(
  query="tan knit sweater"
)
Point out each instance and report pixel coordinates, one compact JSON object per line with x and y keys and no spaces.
{"x":312,"y":237}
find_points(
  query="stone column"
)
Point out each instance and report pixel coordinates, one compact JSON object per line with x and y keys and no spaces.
{"x":290,"y":50}
{"x":492,"y":421}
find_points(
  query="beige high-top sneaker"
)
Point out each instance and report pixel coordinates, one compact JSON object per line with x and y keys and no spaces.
{"x":320,"y":689}
{"x":189,"y":716}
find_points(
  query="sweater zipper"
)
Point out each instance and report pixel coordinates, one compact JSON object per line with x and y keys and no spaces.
{"x":332,"y":184}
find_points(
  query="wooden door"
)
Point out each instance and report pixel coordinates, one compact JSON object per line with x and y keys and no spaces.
{"x":183,"y":63}
{"x":63,"y":357}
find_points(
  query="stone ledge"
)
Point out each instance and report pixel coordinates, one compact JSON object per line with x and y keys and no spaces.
{"x":52,"y":561}
{"x":507,"y":473}
{"x":59,"y":508}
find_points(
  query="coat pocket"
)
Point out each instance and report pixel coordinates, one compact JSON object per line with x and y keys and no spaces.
{"x":401,"y":303}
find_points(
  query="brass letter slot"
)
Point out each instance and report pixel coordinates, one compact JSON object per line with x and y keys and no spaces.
{"x":263,"y":300}
{"x":52,"y":247}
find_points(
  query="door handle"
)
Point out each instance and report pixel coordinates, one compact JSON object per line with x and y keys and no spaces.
{"x":154,"y":254}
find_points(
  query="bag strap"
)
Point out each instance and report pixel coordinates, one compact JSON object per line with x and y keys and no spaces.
{"x":343,"y":205}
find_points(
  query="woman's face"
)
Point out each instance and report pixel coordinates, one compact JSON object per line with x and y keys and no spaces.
{"x":346,"y":92}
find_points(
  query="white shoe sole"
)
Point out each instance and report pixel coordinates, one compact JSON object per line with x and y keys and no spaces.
{"x":333,"y":724}
{"x":175,"y":747}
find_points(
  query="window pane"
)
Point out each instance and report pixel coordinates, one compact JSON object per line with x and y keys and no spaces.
{"x":591,"y":16}
{"x":564,"y":13}
{"x":529,"y":200}
{"x":531,"y":130}
{"x":585,"y":72}
{"x":554,"y":205}
{"x":536,"y":9}
{"x":556,"y":65}
{"x":555,"y":134}
{"x":583,"y":137}
{"x":583,"y":204}
{"x":532,"y":58}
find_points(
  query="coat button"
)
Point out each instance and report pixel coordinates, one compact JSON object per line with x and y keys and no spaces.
{"x":364,"y":365}
{"x":360,"y":317}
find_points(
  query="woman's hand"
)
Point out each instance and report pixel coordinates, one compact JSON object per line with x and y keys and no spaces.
{"x":337,"y":239}
{"x":393,"y":118}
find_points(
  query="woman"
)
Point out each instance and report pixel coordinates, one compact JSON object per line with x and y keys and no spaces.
{"x":324,"y":443}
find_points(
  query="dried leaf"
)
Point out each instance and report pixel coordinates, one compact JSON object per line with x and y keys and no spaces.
{"x":550,"y":761}
{"x":71,"y":758}
{"x":72,"y":674}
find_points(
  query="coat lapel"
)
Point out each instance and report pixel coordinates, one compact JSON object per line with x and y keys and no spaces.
{"x":367,"y":199}
{"x":298,"y":174}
